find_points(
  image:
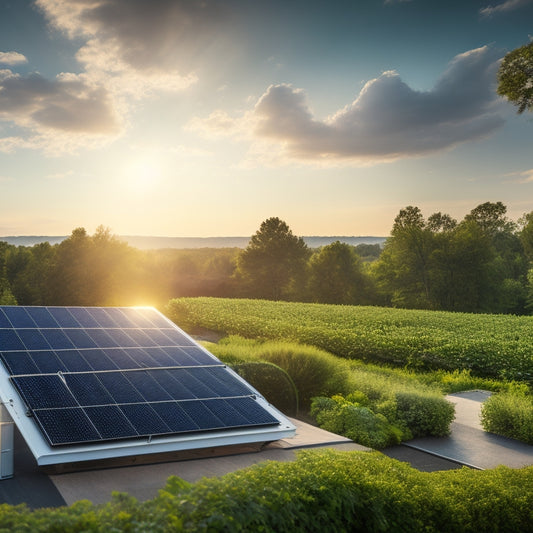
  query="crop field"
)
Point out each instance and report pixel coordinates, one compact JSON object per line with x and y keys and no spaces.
{"x":498,"y":346}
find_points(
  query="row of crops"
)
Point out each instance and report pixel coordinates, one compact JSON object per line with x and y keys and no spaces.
{"x":499,"y":346}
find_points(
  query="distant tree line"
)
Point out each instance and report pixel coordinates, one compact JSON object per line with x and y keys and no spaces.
{"x":484,"y":263}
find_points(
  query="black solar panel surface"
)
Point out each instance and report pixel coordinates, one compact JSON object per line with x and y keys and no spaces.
{"x":100,"y":374}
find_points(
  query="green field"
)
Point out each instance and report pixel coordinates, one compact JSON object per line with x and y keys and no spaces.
{"x":496,"y":346}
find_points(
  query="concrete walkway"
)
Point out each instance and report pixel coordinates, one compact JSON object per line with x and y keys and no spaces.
{"x":469,"y":444}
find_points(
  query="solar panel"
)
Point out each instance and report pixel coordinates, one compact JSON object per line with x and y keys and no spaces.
{"x":99,"y":375}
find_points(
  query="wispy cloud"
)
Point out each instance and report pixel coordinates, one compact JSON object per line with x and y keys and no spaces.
{"x":525,"y":176}
{"x":12,"y":58}
{"x":388,"y":120}
{"x":508,"y":5}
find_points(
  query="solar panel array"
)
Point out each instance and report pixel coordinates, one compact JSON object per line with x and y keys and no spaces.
{"x":91,"y":374}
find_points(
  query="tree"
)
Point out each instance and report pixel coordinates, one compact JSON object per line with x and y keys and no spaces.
{"x":515,"y":77}
{"x":490,"y":216}
{"x":403,"y":267}
{"x":97,"y":270}
{"x":335,"y":275}
{"x":274,"y":262}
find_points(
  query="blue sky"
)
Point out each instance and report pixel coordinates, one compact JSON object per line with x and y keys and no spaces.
{"x":204,"y":118}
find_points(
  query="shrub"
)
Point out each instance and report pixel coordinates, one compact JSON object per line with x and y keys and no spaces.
{"x":322,"y":490}
{"x":314,"y":372}
{"x":510,"y":415}
{"x":327,"y":490}
{"x":354,"y":421}
{"x":272,"y":382}
{"x":424,"y":414}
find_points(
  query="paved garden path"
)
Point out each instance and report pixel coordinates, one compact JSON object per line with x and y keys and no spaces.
{"x":469,"y":444}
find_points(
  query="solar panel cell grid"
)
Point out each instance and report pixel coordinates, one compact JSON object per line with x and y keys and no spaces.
{"x":44,"y":391}
{"x":57,"y":339}
{"x":74,"y":361}
{"x":175,"y":417}
{"x":42,"y":317}
{"x":19,"y":317}
{"x":110,"y":422}
{"x":87,"y":390}
{"x":10,"y":341}
{"x":120,"y":387}
{"x":63,"y":317}
{"x":66,"y":426}
{"x":4,"y":322}
{"x":98,"y":374}
{"x":19,"y":363}
{"x":98,"y":360}
{"x":145,"y":420}
{"x":47,"y":362}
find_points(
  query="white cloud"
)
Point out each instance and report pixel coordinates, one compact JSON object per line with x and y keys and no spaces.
{"x":12,"y":58}
{"x":59,"y":114}
{"x":129,"y":49}
{"x":156,"y":44}
{"x":508,"y":5}
{"x":388,"y":120}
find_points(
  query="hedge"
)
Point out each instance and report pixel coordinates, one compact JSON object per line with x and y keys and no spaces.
{"x":322,"y":490}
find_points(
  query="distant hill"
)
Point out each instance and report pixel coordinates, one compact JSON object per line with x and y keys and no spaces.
{"x":151,"y":243}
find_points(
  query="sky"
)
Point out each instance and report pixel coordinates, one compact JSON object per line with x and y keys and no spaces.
{"x":203,"y":118}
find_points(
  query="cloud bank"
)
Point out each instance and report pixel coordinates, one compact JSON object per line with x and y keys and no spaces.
{"x":129,"y":49}
{"x":67,"y":105}
{"x":388,"y":119}
{"x":151,"y":45}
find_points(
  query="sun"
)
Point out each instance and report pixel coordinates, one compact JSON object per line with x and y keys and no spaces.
{"x":142,"y":174}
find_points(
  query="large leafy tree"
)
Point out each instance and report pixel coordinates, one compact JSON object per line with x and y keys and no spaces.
{"x":476,"y":265}
{"x":93,"y":270}
{"x":336,"y":275}
{"x":273,"y":264}
{"x":403,"y":267}
{"x":515,"y":77}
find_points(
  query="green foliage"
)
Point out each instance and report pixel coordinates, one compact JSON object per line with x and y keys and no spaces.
{"x":348,"y":417}
{"x":374,"y":406}
{"x":322,"y":490}
{"x":515,"y":77}
{"x":273,"y":382}
{"x":336,"y":275}
{"x":274,"y":261}
{"x":488,"y":346}
{"x":356,"y":491}
{"x":510,"y":415}
{"x":314,"y":372}
{"x":424,"y":414}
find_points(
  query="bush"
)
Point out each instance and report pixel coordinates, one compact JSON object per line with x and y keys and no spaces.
{"x":272,"y":382}
{"x":314,"y":372}
{"x":424,"y":414}
{"x":510,"y":415}
{"x":327,"y":490}
{"x":355,"y":421}
{"x":322,"y":490}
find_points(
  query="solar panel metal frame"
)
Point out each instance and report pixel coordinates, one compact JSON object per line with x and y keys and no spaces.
{"x":116,"y":446}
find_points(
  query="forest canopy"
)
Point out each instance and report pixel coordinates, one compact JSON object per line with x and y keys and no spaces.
{"x":483,"y":263}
